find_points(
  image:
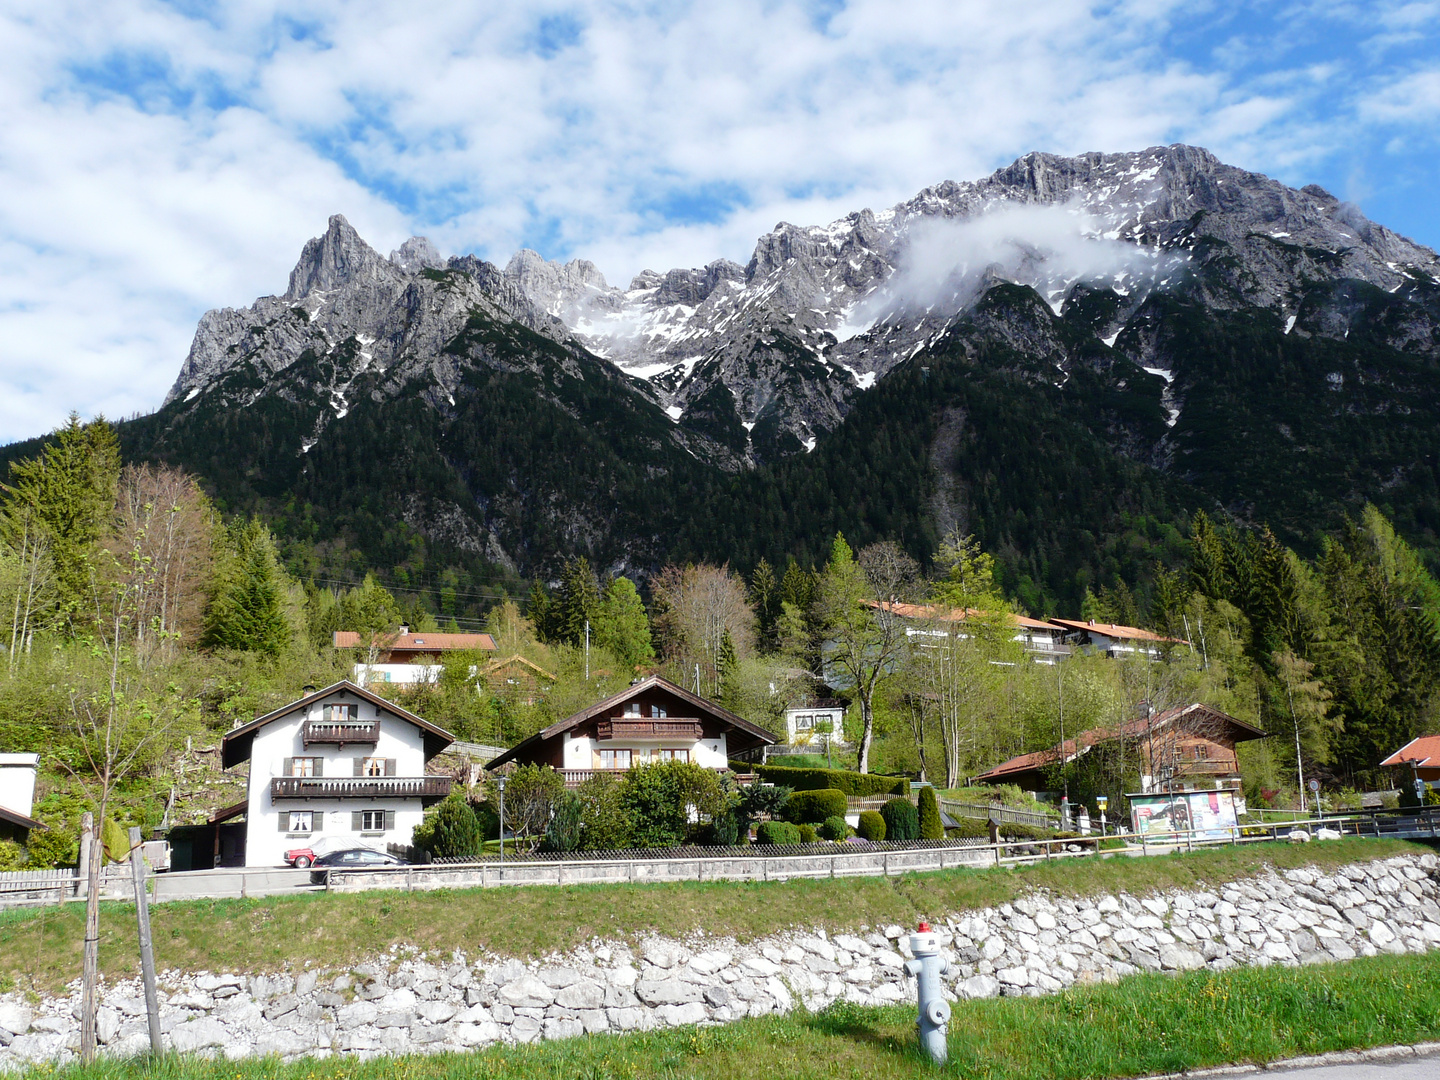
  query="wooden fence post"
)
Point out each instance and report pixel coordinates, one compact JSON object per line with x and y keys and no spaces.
{"x":147,"y":951}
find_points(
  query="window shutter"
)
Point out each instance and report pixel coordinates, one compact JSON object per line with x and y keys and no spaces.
{"x":389,"y":820}
{"x":389,"y":766}
{"x":284,"y":820}
{"x":359,"y":766}
{"x":288,"y":768}
{"x":356,"y":823}
{"x":319,"y":766}
{"x":316,"y":820}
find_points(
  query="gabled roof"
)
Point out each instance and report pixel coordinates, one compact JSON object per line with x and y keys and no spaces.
{"x":1115,"y":630}
{"x":19,"y":819}
{"x":421,"y":642}
{"x":654,"y":682}
{"x":1131,"y":729}
{"x":1422,"y":751}
{"x":497,"y":664}
{"x":944,"y":614}
{"x":235,"y":746}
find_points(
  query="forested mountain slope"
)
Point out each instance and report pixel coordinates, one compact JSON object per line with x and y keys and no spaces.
{"x":1066,"y":359}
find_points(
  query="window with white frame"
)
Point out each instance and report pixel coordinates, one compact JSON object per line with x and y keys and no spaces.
{"x":304,"y":766}
{"x":673,"y":755}
{"x":372,"y":820}
{"x":614,"y":759}
{"x":805,"y":722}
{"x":372,"y":766}
{"x":301,"y":821}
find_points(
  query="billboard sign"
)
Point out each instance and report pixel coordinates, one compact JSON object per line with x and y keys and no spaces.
{"x":1211,"y":814}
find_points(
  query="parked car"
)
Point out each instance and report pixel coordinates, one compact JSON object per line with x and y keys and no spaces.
{"x":300,"y":857}
{"x":351,"y":859}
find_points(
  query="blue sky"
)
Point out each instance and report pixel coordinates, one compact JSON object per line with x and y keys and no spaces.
{"x":161,"y":159}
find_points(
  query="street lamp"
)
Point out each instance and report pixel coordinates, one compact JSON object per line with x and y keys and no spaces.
{"x":500,"y":783}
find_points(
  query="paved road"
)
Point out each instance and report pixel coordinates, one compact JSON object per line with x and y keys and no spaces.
{"x":1411,"y":1068}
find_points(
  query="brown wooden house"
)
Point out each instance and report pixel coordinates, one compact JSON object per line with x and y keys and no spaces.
{"x":1189,"y":748}
{"x":652,"y":720}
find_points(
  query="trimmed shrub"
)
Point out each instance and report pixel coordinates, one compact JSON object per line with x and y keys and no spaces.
{"x":850,"y":783}
{"x":929,"y":814}
{"x":835,"y":828}
{"x":450,"y":830}
{"x":902,"y":820}
{"x":605,"y":824}
{"x":872,"y":825}
{"x":813,"y":807}
{"x":563,"y":832}
{"x":808,"y":834}
{"x":777,"y":832}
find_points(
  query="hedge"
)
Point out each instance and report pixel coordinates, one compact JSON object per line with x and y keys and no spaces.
{"x":813,"y":807}
{"x":808,"y":835}
{"x":851,"y":783}
{"x":872,"y":825}
{"x":777,"y":832}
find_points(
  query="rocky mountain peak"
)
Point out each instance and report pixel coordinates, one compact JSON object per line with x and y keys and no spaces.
{"x":335,"y":260}
{"x":417,"y":254}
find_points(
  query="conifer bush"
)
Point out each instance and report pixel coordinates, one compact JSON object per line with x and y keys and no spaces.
{"x":808,"y":835}
{"x":871,"y":826}
{"x":835,"y":828}
{"x":902,"y":820}
{"x":929,"y":816}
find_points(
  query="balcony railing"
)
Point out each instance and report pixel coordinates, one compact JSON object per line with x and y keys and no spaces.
{"x":340,"y":732}
{"x":626,"y":728}
{"x":575,"y":777}
{"x":360,"y":787}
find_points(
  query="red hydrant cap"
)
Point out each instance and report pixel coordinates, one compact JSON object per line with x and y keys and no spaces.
{"x":923,"y":928}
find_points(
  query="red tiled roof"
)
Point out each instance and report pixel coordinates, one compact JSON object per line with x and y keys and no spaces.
{"x":421,"y":642}
{"x":1114,"y":630}
{"x":932,"y":611}
{"x":1422,"y":751}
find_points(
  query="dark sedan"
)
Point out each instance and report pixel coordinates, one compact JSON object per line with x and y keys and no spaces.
{"x":351,"y":859}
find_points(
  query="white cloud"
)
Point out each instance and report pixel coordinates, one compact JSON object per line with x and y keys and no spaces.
{"x":156,"y":163}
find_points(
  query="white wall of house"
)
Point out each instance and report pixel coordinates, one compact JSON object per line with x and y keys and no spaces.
{"x":266,"y":842}
{"x":17,"y":782}
{"x":709,"y":752}
{"x":800,"y":733}
{"x":397,"y":674}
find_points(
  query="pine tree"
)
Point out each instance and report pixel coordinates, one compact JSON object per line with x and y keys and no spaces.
{"x":727,"y":666}
{"x":577,"y":603}
{"x":540,"y":610}
{"x":765,"y":598}
{"x":247,"y":611}
{"x":622,"y":626}
{"x":70,"y":490}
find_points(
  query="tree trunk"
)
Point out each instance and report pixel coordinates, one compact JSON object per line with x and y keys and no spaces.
{"x":867,"y":733}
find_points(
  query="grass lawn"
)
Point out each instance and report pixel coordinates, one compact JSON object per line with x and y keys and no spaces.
{"x":1147,"y":1024}
{"x":40,"y":948}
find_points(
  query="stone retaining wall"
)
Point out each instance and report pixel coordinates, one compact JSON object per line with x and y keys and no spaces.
{"x":404,"y":1002}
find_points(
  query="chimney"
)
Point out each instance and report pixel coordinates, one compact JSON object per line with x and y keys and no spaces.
{"x":1092,"y":622}
{"x":404,"y":629}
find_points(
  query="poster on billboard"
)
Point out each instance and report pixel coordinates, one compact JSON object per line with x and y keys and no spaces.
{"x":1211,"y":814}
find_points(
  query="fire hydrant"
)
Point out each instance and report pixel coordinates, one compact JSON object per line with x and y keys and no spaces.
{"x":927,"y":967}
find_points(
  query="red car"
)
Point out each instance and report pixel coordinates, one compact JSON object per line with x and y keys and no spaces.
{"x":300,"y":857}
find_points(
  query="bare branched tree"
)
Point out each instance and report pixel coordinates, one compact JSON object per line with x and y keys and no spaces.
{"x":695,"y":606}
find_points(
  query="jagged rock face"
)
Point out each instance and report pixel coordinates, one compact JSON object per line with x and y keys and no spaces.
{"x":843,"y":296}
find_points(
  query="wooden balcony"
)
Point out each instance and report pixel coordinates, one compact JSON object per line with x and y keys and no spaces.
{"x":636,"y":728}
{"x":340,"y":732}
{"x":360,"y":787}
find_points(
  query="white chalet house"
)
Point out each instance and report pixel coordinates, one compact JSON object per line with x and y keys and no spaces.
{"x":341,"y":764}
{"x":804,"y":723}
